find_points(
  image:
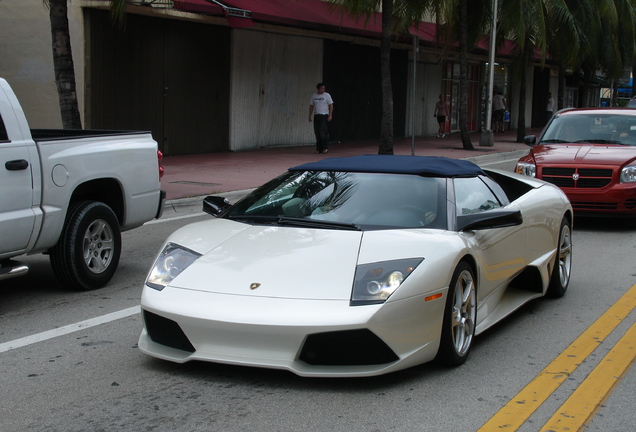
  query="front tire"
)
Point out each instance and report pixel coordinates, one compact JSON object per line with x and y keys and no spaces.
{"x":460,"y":315}
{"x":560,"y":278}
{"x":87,"y":253}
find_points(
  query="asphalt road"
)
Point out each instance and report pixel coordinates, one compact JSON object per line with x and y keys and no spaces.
{"x":69,"y":361}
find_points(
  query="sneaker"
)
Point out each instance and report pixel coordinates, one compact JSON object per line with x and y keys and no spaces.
{"x":443,"y":135}
{"x":325,"y":150}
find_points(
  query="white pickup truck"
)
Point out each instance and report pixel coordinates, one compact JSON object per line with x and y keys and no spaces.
{"x":70,"y":194}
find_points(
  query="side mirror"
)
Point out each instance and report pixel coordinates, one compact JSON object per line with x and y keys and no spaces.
{"x":489,"y":219}
{"x":530,"y":140}
{"x":215,"y":205}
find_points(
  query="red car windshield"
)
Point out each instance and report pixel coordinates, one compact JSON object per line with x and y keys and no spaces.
{"x":592,"y":128}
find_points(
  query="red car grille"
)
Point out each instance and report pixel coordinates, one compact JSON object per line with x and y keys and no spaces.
{"x":594,"y":206}
{"x":585,"y":178}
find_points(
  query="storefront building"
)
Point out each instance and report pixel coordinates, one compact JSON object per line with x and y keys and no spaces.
{"x":204,"y":78}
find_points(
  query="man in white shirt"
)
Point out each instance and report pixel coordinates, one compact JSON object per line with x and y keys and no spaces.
{"x":321,"y":111}
{"x":549,"y":108}
{"x":498,"y":109}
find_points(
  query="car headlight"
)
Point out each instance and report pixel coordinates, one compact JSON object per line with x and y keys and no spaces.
{"x":374,"y":283}
{"x":526,"y":168}
{"x":172,"y":260}
{"x":628,"y":174}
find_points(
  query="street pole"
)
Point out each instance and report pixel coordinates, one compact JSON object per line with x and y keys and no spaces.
{"x":487,"y":138}
{"x":413,"y":96}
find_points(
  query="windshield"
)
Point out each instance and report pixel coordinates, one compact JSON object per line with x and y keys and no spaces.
{"x":343,"y":200}
{"x":592,"y":128}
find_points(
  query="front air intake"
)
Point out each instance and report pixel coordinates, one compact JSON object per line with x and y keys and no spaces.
{"x":346,"y":348}
{"x":166,"y":332}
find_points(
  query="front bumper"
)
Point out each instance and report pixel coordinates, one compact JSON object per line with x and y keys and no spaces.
{"x":326,"y":338}
{"x":162,"y":204}
{"x":619,"y":199}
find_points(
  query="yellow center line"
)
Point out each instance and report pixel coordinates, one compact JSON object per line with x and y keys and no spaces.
{"x":520,"y":408}
{"x":586,"y":400}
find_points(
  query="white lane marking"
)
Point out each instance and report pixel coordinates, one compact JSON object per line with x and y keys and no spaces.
{"x":60,"y":331}
{"x":497,"y":162}
{"x":156,"y":221}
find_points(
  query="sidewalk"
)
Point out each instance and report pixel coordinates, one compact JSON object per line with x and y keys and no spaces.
{"x":215,"y":173}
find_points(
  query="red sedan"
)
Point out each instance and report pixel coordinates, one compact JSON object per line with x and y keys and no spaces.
{"x":590,"y":154}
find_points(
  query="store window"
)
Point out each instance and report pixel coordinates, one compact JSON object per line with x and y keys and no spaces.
{"x":450,"y":88}
{"x":501,"y":83}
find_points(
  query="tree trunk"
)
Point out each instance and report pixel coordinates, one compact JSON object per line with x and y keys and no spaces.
{"x":633,"y":76}
{"x":525,"y":64}
{"x":463,"y":75}
{"x":63,"y":65}
{"x":561,"y":91}
{"x":584,"y":102}
{"x":386,"y":127}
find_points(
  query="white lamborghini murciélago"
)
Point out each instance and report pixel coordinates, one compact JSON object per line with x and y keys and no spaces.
{"x":357,"y":266}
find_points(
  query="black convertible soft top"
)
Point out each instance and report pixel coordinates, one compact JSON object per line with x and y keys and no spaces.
{"x":428,"y":166}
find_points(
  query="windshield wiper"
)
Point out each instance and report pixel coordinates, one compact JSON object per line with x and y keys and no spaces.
{"x":587,"y":141}
{"x":598,"y":141}
{"x":254,"y":218}
{"x":559,"y":141}
{"x":315,"y":223}
{"x":292,"y":221}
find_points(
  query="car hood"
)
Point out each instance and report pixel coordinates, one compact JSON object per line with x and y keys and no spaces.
{"x":584,"y":154}
{"x":272,"y":261}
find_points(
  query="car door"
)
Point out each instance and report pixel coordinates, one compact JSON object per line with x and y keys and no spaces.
{"x":500,"y":252}
{"x":17,"y":217}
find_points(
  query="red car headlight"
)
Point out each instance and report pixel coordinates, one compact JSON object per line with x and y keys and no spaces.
{"x":628,"y":174}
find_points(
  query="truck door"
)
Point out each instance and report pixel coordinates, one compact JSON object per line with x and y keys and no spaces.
{"x":17,"y":217}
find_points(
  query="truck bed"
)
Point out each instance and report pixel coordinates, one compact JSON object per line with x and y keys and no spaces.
{"x":54,"y":134}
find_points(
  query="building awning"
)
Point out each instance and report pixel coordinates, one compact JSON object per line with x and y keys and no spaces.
{"x":306,"y":14}
{"x":317,"y":15}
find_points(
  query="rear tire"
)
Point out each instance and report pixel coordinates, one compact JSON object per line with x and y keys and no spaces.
{"x":560,"y":278}
{"x":87,"y":253}
{"x":460,"y":315}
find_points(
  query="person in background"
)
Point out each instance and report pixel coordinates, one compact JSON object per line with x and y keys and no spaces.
{"x":498,"y":108}
{"x":321,"y":111}
{"x":549,"y":108}
{"x":441,"y":111}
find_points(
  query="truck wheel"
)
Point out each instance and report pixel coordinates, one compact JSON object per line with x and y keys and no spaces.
{"x":87,"y":253}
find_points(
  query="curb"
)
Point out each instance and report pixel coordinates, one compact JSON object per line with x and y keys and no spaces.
{"x":234,"y":196}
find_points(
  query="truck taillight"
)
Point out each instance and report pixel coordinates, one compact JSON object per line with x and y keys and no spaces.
{"x":159,"y":159}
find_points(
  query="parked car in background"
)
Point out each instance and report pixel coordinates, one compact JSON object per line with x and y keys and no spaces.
{"x":70,"y":194}
{"x":632,"y":103}
{"x":590,"y":153}
{"x":357,"y":266}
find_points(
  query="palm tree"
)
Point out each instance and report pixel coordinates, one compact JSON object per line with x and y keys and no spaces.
{"x":63,"y":58}
{"x":463,"y":75}
{"x":397,"y":16}
{"x":564,"y":39}
{"x":621,"y":55}
{"x":609,"y":28}
{"x":452,"y":19}
{"x":386,"y":126}
{"x":63,"y":64}
{"x":528,"y":24}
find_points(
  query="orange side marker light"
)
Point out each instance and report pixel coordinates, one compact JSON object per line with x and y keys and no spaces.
{"x":433,"y":297}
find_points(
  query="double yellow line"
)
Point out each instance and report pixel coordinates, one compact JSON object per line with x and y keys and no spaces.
{"x":583,"y":404}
